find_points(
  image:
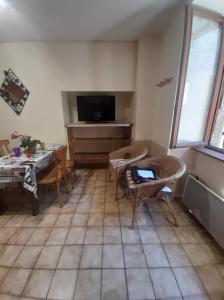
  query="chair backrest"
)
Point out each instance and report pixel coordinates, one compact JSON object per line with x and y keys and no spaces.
{"x":167,"y":167}
{"x":131,"y":153}
{"x":4,"y":148}
{"x":60,"y":156}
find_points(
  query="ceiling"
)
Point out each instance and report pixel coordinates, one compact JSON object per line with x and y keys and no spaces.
{"x":83,"y":20}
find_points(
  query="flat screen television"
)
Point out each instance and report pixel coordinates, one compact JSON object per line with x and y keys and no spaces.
{"x":96,"y":108}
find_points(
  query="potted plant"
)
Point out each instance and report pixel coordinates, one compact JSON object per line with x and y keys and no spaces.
{"x":27,"y":143}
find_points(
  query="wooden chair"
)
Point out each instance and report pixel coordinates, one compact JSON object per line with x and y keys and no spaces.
{"x":4,"y":148}
{"x":168,"y":169}
{"x":70,"y":164}
{"x":70,"y":167}
{"x":56,"y":173}
{"x":119,"y":161}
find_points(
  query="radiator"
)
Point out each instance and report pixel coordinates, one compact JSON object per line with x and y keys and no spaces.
{"x":206,"y":206}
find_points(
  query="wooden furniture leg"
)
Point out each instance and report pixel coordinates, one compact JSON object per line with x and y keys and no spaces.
{"x":58,"y":195}
{"x":35,"y":208}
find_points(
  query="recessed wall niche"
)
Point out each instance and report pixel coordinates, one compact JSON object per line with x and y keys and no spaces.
{"x":123,"y":105}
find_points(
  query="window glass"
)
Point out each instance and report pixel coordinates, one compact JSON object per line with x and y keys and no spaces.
{"x":200,"y":77}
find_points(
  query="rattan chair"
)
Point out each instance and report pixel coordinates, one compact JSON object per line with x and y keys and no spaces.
{"x":119,"y":161}
{"x":168,"y":169}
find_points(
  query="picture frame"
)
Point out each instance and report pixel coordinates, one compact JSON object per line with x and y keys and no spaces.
{"x":14,"y":92}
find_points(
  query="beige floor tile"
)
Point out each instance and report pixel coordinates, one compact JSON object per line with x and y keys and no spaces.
{"x":176,"y":255}
{"x":63,"y":285}
{"x":139,"y":284}
{"x":155,"y":256}
{"x":4,"y":219}
{"x":16,"y":221}
{"x":130,"y":235}
{"x":187,"y":234}
{"x":159,"y":219}
{"x":134,"y":256}
{"x":111,"y":207}
{"x":143,"y":219}
{"x":94,"y":235}
{"x":88,"y":285}
{"x":212,"y":281}
{"x":33,"y":221}
{"x":97,"y":207}
{"x":83,"y":208}
{"x":64,"y":220}
{"x":112,"y":235}
{"x":48,"y":220}
{"x":21,"y":236}
{"x":38,"y":284}
{"x":215,"y":253}
{"x":3,"y":272}
{"x":76,"y":235}
{"x":113,"y":256}
{"x":199,"y":297}
{"x":48,"y":258}
{"x":69,"y":208}
{"x":114,"y":284}
{"x":6,"y":234}
{"x":111,"y":219}
{"x":126,"y":219}
{"x":166,"y":234}
{"x":70,"y":257}
{"x":164,"y":283}
{"x":15,"y":281}
{"x":125,"y":207}
{"x":39,"y":236}
{"x":57,"y":236}
{"x":80,"y":220}
{"x":91,"y":257}
{"x":9,"y":254}
{"x":197,"y":254}
{"x":96,"y":219}
{"x":28,"y":257}
{"x":9,"y":297}
{"x":221,"y":270}
{"x":149,"y":235}
{"x":188,"y":281}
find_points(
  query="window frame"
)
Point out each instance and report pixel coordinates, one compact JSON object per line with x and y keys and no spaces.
{"x":191,"y":10}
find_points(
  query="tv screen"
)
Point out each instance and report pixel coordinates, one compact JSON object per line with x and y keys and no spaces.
{"x":96,"y":108}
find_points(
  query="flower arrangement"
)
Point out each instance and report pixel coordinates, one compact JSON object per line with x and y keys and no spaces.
{"x":26,"y":142}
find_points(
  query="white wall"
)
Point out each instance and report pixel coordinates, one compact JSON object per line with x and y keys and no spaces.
{"x":47,"y":69}
{"x":169,"y":63}
{"x":146,"y":75}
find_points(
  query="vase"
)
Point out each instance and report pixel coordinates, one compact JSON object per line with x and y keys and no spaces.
{"x":28,"y":152}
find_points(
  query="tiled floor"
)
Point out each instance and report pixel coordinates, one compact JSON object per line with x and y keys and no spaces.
{"x":87,"y":250}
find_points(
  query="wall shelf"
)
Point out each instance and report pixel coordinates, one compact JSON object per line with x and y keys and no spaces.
{"x":90,"y":143}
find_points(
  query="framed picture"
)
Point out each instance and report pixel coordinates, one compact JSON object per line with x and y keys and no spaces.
{"x":14,"y":92}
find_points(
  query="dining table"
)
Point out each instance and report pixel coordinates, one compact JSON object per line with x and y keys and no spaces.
{"x":24,"y":170}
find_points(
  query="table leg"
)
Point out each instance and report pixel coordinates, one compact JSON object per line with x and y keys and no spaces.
{"x":35,"y":208}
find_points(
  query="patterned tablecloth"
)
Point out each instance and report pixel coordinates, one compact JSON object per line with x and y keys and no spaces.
{"x":23,"y":169}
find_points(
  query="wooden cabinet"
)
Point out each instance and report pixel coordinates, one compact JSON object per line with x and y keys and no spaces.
{"x":90,"y":143}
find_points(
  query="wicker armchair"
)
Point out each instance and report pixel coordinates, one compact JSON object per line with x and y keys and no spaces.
{"x":168,"y":169}
{"x":120,"y":159}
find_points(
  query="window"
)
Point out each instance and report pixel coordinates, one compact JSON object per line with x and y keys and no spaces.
{"x":198,"y":120}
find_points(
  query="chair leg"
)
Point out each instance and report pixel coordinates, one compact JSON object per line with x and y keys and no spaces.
{"x":134,"y":200}
{"x":116,"y":190}
{"x":171,"y":210}
{"x":66,"y":182}
{"x":73,"y":177}
{"x":58,"y":194}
